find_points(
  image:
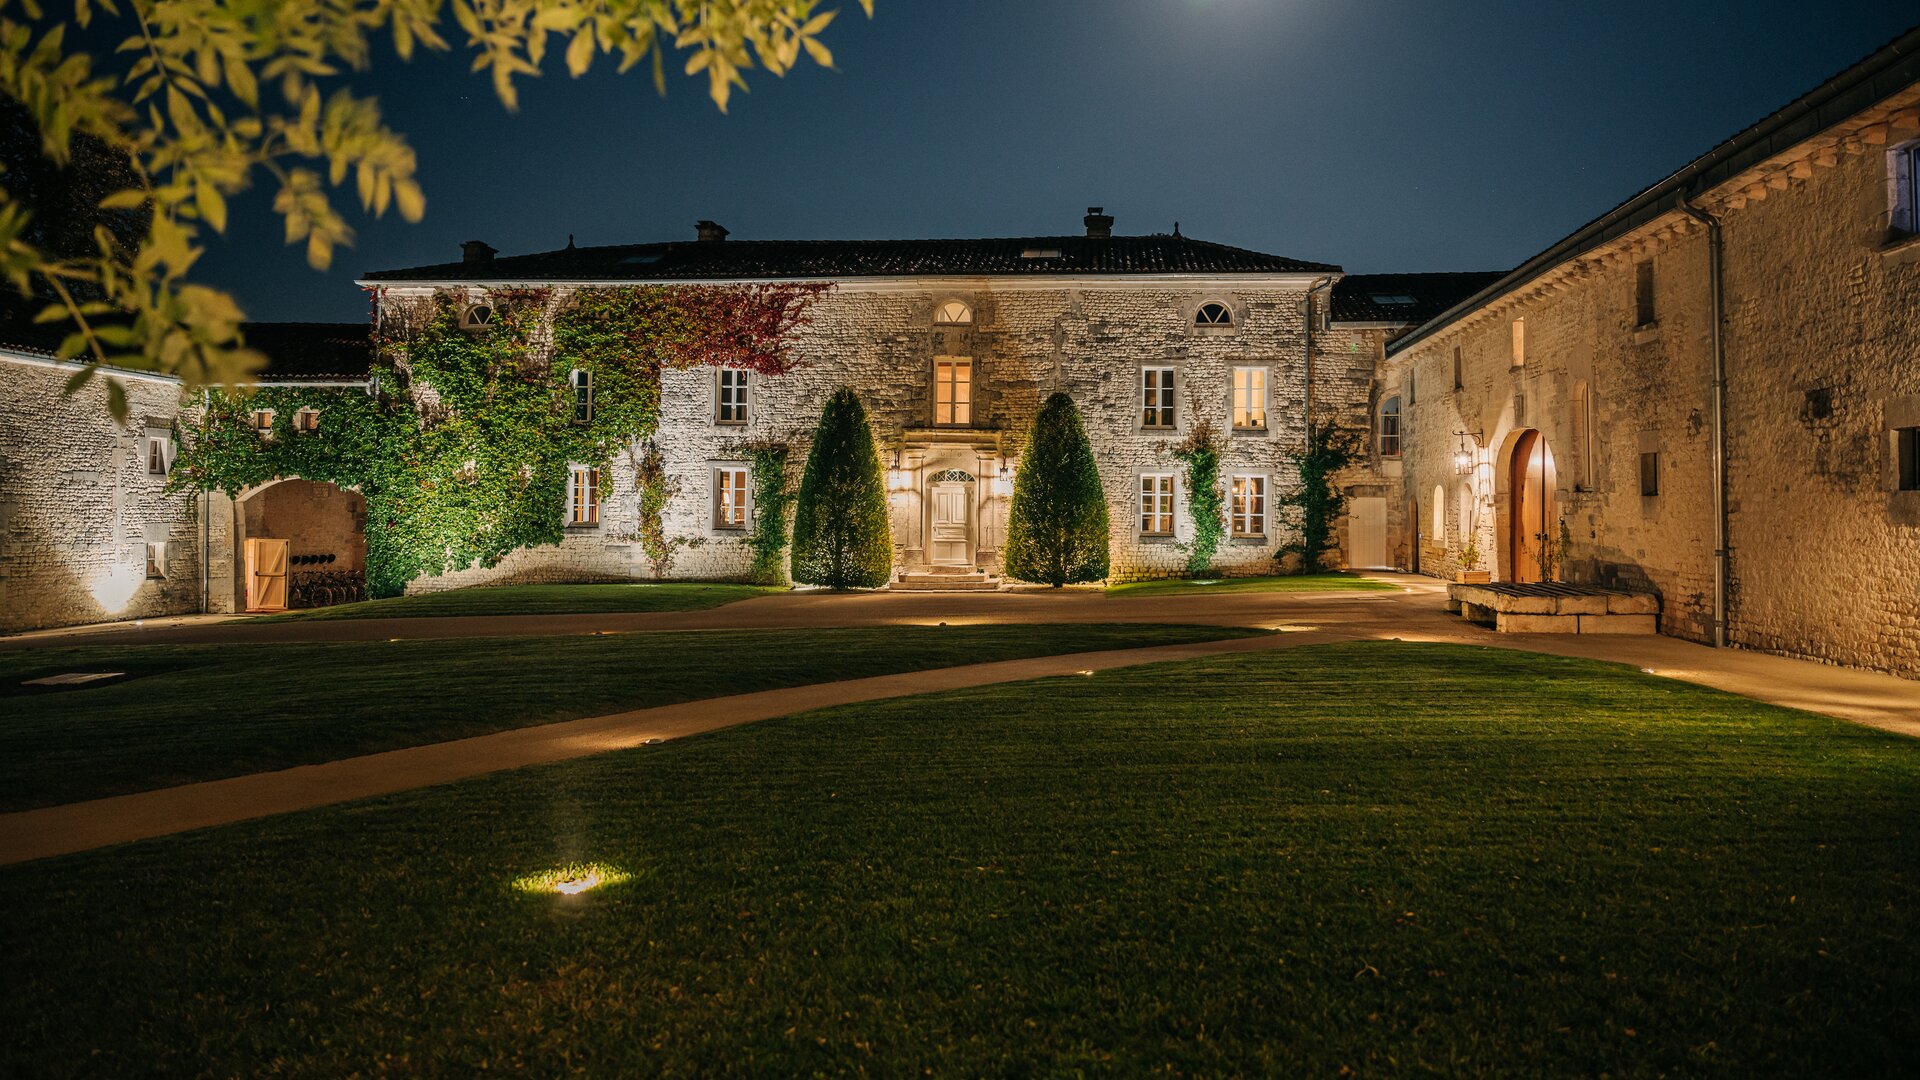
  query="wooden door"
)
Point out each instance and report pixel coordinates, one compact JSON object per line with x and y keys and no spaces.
{"x":266,"y":575}
{"x":1367,"y":533}
{"x":1533,"y":520}
{"x":951,"y":531}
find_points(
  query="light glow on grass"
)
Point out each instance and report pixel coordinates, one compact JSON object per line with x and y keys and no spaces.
{"x":571,"y":880}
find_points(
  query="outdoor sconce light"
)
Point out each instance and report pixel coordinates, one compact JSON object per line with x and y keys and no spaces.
{"x":1467,"y":457}
{"x":1003,"y":480}
{"x":898,"y":479}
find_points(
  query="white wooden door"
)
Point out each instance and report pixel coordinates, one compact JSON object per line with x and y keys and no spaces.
{"x":951,"y":527}
{"x":1367,"y":533}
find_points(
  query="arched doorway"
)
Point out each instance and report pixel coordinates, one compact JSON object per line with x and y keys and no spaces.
{"x":1531,"y":515}
{"x":299,"y":543}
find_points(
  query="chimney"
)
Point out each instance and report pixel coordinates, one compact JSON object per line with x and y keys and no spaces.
{"x":476,"y":251}
{"x":1099,"y":225}
{"x":711,"y":232}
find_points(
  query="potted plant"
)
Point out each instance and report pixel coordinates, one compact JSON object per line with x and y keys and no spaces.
{"x":1469,"y":561}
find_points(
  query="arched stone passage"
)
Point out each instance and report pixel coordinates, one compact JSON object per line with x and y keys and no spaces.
{"x":324,"y":531}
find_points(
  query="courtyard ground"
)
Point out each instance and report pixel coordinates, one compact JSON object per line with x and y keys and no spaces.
{"x":1287,"y":583}
{"x":543,"y":600}
{"x":1485,"y":861}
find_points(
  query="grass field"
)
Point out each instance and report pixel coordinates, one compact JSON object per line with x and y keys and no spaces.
{"x":1373,"y":857}
{"x":1283,"y":583}
{"x":541,"y":600}
{"x":197,"y":712}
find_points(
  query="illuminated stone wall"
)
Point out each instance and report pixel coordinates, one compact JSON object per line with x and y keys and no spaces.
{"x":1025,"y":342}
{"x":78,"y":506}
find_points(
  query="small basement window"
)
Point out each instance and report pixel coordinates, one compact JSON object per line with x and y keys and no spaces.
{"x":1650,"y":472}
{"x":263,"y":422}
{"x":159,"y":451}
{"x":1906,"y":452}
{"x":1903,"y":168}
{"x":1643,"y":309}
{"x":157,"y":560}
{"x":306,"y":420}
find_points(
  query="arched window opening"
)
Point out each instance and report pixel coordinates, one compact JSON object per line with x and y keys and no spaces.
{"x":1213,"y":313}
{"x":476,"y":317}
{"x":953,"y":312}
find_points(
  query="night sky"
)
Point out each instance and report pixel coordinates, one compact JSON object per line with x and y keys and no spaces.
{"x":1383,"y":135}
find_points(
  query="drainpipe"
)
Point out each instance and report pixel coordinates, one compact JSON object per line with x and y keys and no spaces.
{"x":206,"y":508}
{"x":1717,"y":309}
{"x":1307,"y":397}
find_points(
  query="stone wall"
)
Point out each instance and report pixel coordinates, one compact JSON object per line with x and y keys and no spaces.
{"x":78,"y":507}
{"x":1025,"y":341}
{"x":1823,"y":360}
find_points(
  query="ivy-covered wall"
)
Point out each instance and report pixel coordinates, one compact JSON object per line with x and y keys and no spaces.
{"x":462,"y":443}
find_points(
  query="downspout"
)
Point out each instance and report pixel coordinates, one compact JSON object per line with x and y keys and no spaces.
{"x":1716,"y":304}
{"x":1307,"y":395}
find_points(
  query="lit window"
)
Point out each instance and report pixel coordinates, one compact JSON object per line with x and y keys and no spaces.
{"x":952,"y":391}
{"x":1390,"y":427}
{"x":1643,"y":310}
{"x":1156,"y":504}
{"x":263,"y":422}
{"x":1906,"y":450}
{"x":306,"y":420}
{"x":582,"y":382}
{"x":1904,"y":165}
{"x":732,"y":406}
{"x":583,"y":495}
{"x":1213,"y":314}
{"x":159,"y":451}
{"x":953,"y":311}
{"x":730,"y":494}
{"x":1156,"y":397}
{"x":1249,"y":398}
{"x":1519,"y":342}
{"x":1249,"y":505}
{"x":476,"y":317}
{"x":1650,"y":473}
{"x":157,"y":560}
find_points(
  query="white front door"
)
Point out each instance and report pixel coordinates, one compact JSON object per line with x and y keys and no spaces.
{"x":1367,"y":533}
{"x":951,"y":530}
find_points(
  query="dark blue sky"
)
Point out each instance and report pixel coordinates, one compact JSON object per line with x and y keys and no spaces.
{"x":1378,"y":134}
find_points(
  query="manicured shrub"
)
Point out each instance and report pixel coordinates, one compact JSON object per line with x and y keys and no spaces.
{"x":841,"y":536}
{"x":1057,"y":531}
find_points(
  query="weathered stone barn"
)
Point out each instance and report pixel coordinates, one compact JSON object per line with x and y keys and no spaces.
{"x":1712,"y":391}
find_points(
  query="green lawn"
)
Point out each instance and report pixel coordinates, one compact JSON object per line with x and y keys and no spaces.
{"x":543,"y":600}
{"x":1377,"y":857}
{"x":1281,"y":583}
{"x":197,"y":712}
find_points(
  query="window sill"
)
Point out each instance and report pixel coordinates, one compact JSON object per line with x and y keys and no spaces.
{"x":1248,"y":539}
{"x":1252,"y":432}
{"x":729,"y":423}
{"x":1156,"y":538}
{"x":1214,"y":331}
{"x":1901,"y":248}
{"x":1646,"y":332}
{"x":582,"y":526}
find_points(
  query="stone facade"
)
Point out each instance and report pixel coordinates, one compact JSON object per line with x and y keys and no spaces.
{"x":1614,"y":368}
{"x":1025,"y":340}
{"x":80,"y":510}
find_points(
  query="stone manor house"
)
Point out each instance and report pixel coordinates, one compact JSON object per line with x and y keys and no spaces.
{"x":1710,"y":393}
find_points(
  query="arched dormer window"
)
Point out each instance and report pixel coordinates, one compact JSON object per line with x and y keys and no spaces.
{"x":952,"y":313}
{"x":476,"y":317}
{"x":1390,"y":427}
{"x":1213,"y":314}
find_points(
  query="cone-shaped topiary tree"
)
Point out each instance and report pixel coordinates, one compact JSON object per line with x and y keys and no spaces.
{"x":841,"y":536}
{"x":1057,"y":531}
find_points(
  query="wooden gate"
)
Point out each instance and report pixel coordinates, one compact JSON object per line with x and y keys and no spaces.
{"x":266,"y":575}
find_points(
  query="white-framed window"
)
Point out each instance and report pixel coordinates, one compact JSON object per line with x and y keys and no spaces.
{"x":952,"y":390}
{"x":306,"y":419}
{"x":1903,"y":176}
{"x":1390,"y":428}
{"x":1519,"y":343}
{"x":732,"y":496}
{"x":262,"y":422}
{"x":476,"y":317}
{"x":157,"y":560}
{"x":953,"y":312}
{"x":583,"y":496}
{"x":1156,"y":397}
{"x":1249,"y":399}
{"x":1247,"y":504}
{"x":730,"y":396}
{"x":1213,"y":315}
{"x":159,"y":451}
{"x":582,"y":382}
{"x":1156,"y":504}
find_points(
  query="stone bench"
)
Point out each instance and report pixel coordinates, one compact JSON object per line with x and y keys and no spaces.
{"x":1553,"y":608}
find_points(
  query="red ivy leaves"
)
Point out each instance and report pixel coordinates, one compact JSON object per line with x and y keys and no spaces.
{"x":740,"y":326}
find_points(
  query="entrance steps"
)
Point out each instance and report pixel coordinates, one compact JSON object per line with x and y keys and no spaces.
{"x":945,"y":581}
{"x":1554,"y":608}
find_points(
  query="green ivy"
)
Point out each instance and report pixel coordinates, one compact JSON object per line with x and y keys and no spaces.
{"x":772,"y":499}
{"x":1201,"y":453}
{"x":462,"y":447}
{"x":1318,"y":502}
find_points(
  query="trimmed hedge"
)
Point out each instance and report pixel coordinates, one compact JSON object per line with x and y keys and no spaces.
{"x":1057,"y":532}
{"x":841,"y":535}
